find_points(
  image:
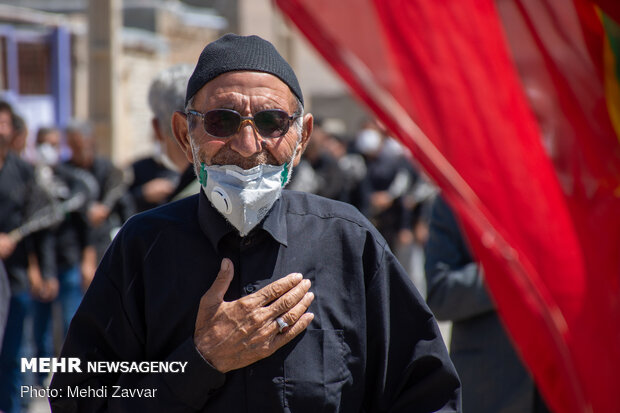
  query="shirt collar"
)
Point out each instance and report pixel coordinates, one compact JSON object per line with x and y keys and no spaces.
{"x":275,"y":222}
{"x":216,"y":227}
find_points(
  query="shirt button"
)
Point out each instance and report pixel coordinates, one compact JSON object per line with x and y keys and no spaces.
{"x":250,"y":288}
{"x":246,"y":241}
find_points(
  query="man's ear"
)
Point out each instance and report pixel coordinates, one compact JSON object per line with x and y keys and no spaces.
{"x":181,"y":134}
{"x":306,"y":133}
{"x":156,"y":129}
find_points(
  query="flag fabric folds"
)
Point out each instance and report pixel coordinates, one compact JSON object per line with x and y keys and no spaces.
{"x":512,"y":107}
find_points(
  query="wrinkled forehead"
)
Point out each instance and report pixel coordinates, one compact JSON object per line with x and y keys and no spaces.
{"x":246,"y":87}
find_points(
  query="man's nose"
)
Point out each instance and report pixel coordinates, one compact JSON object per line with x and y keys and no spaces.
{"x":247,"y":140}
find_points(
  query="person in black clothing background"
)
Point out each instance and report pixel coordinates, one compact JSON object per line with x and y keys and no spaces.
{"x":390,"y":177}
{"x":111,"y":205}
{"x":5,"y":298}
{"x":318,"y":171}
{"x":70,"y":244}
{"x":494,"y":378}
{"x":152,"y":183}
{"x":166,"y":175}
{"x":29,"y":264}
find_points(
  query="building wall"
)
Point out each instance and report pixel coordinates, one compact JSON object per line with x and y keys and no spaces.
{"x":79,"y":70}
{"x":184,"y":42}
{"x":138,"y":68}
{"x":319,"y":83}
{"x":139,"y":65}
{"x":139,"y":61}
{"x":325,"y":94}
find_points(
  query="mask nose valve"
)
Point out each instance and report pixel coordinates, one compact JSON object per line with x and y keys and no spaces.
{"x":221,"y":200}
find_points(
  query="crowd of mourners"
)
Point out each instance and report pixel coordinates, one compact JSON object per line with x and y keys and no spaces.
{"x":62,"y":204}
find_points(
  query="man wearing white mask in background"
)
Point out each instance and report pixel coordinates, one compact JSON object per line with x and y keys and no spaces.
{"x":70,"y":245}
{"x":215,"y":280}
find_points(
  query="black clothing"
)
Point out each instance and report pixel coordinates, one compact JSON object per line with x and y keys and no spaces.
{"x":72,"y":235}
{"x":383,"y":169}
{"x":187,"y":177}
{"x":109,"y":180}
{"x":5,"y":297}
{"x":395,"y":175}
{"x":373,"y":345}
{"x":20,"y":198}
{"x":110,"y":190}
{"x":329,"y":175}
{"x":145,"y":170}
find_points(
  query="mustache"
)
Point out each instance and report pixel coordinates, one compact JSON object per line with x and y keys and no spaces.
{"x":229,"y":157}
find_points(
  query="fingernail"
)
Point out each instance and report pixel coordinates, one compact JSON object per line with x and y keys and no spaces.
{"x":297,"y":277}
{"x":225,"y":264}
{"x":306,"y":282}
{"x":310,"y":295}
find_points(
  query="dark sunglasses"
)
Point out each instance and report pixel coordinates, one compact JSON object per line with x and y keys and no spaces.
{"x":222,"y":123}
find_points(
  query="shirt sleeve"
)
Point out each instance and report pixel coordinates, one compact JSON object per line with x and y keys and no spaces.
{"x":409,"y":369}
{"x":455,"y":287}
{"x":42,"y":242}
{"x":138,"y":197}
{"x":45,"y":249}
{"x":108,"y":326}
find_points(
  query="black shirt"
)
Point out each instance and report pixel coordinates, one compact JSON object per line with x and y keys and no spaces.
{"x":187,"y":178}
{"x":72,"y":235}
{"x":110,"y":190}
{"x":373,"y":345}
{"x":20,"y":199}
{"x":145,"y":170}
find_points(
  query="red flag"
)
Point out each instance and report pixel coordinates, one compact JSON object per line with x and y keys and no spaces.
{"x":442,"y":77}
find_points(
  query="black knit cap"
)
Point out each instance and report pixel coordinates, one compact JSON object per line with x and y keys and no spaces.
{"x":232,"y":52}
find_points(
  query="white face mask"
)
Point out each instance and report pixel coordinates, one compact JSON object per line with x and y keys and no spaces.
{"x":243,"y":196}
{"x":47,"y":154}
{"x":368,"y":141}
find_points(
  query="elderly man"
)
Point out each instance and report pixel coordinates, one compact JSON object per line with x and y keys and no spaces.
{"x":278,"y":301}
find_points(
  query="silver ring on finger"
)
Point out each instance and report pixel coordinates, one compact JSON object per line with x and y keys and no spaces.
{"x":281,"y":324}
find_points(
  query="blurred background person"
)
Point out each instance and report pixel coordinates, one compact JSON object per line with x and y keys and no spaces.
{"x":390,"y":176}
{"x":20,"y":135}
{"x":5,"y":297}
{"x":69,"y":191}
{"x":167,"y":175}
{"x":28,"y":263}
{"x":395,"y":196}
{"x":318,"y":172}
{"x":351,"y":165}
{"x":492,"y":375}
{"x":111,"y":205}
